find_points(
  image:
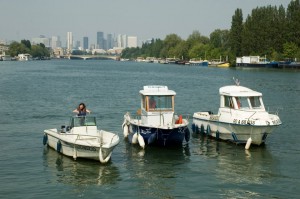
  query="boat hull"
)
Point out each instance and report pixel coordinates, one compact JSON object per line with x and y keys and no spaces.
{"x":237,"y":133}
{"x":159,"y":136}
{"x":258,"y":65}
{"x":82,"y":146}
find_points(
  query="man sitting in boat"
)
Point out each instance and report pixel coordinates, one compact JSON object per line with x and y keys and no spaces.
{"x":238,"y":102}
{"x":81,"y":110}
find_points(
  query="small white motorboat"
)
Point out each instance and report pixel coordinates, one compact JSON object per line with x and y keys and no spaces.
{"x":82,"y":139}
{"x":156,"y":123}
{"x":242,"y":117}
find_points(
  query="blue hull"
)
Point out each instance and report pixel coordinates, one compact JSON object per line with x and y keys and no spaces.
{"x":253,"y":65}
{"x":161,"y":137}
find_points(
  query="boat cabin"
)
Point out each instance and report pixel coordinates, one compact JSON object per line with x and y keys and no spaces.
{"x":240,"y":98}
{"x":82,"y":124}
{"x":157,"y":105}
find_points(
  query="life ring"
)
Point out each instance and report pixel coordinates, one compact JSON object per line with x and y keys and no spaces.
{"x":179,"y":121}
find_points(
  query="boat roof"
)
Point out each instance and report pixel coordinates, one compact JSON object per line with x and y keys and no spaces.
{"x":236,"y":91}
{"x":156,"y":90}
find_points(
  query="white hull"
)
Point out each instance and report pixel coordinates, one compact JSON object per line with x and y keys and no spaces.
{"x":237,"y":133}
{"x":242,"y":117}
{"x":83,"y":146}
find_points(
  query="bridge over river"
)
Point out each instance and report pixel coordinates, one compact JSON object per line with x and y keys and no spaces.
{"x":93,"y":57}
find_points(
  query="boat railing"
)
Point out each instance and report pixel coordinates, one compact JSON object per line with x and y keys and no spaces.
{"x":99,"y":138}
{"x":85,"y":137}
{"x":276,"y":112}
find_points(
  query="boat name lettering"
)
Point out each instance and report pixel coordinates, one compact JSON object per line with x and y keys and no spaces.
{"x":147,"y":131}
{"x":88,"y":148}
{"x":214,"y":117}
{"x":244,"y":122}
{"x":275,"y":122}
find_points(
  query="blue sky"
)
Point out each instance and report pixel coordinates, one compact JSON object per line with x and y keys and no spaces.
{"x":142,"y":18}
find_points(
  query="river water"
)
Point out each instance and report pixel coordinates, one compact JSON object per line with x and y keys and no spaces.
{"x":39,"y":95}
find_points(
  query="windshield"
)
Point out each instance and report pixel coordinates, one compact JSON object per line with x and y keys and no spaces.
{"x":242,"y":102}
{"x":255,"y":102}
{"x":83,"y":121}
{"x":160,"y":103}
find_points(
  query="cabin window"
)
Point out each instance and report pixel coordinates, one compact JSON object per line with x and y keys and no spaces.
{"x":255,"y":102}
{"x":242,"y":102}
{"x":144,"y":102}
{"x":228,"y":102}
{"x":160,"y":103}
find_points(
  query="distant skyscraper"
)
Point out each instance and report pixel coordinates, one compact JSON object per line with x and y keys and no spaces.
{"x":124,"y":41}
{"x":110,"y":41}
{"x":132,"y":41}
{"x":85,"y":43}
{"x":100,"y":40}
{"x":69,"y":41}
{"x":42,"y":39}
{"x":119,"y":41}
{"x":77,"y":45}
{"x":55,"y":42}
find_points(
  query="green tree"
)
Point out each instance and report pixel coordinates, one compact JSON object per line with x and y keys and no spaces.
{"x":196,"y":38}
{"x":170,"y":42}
{"x":279,"y":29}
{"x":26,"y":43}
{"x":16,"y":48}
{"x":39,"y":51}
{"x":293,"y":22}
{"x":290,"y":50}
{"x":181,"y":50}
{"x":198,"y":51}
{"x":219,"y":39}
{"x":236,"y":30}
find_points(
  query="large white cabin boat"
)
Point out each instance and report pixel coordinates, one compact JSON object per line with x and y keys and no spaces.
{"x":24,"y":57}
{"x":242,"y":117}
{"x":82,"y":139}
{"x":156,"y":122}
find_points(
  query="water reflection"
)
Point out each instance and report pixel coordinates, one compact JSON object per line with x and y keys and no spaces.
{"x":234,"y":163}
{"x":155,"y":170}
{"x":80,"y":172}
{"x":234,"y":166}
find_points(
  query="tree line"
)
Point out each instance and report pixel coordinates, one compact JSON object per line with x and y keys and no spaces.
{"x":269,"y":31}
{"x":36,"y":51}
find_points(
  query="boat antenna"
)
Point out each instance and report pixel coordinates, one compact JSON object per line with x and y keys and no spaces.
{"x":236,"y":81}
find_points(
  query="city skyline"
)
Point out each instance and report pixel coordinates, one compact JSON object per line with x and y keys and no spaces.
{"x":134,"y":17}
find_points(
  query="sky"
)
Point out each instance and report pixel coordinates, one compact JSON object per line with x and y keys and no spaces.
{"x":142,"y":18}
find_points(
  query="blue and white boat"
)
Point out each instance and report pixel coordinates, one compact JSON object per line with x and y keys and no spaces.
{"x":200,"y":62}
{"x":156,"y":122}
{"x":255,"y":62}
{"x":242,"y":117}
